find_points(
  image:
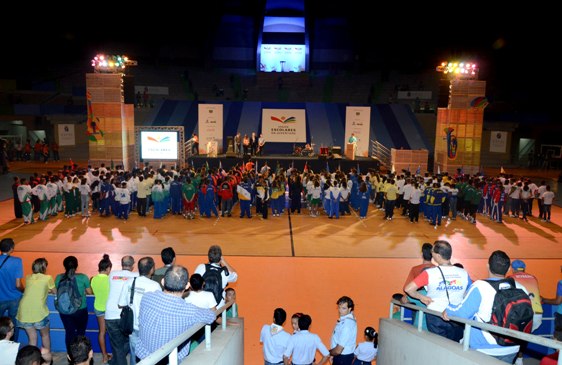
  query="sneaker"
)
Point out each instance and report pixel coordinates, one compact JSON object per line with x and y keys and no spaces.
{"x":518,"y":361}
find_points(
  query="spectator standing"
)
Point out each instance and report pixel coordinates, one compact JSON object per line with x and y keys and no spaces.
{"x":117,"y":280}
{"x":11,"y":285}
{"x":165,"y":315}
{"x":344,"y":336}
{"x":274,"y":338}
{"x":143,"y":284}
{"x":216,"y":259}
{"x":477,"y":305}
{"x":367,"y":351}
{"x":441,"y":291}
{"x":75,"y":323}
{"x":303,"y":345}
{"x":100,"y":288}
{"x":33,"y":313}
{"x":530,"y":283}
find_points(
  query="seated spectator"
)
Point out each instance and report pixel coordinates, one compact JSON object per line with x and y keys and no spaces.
{"x":81,"y":352}
{"x":28,"y":355}
{"x":8,"y":349}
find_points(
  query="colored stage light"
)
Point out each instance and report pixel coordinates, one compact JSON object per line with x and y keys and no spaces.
{"x":463,"y":70}
{"x":111,"y":63}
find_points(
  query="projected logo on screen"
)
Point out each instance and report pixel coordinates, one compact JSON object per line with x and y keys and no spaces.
{"x":158,"y":139}
{"x":284,"y":120}
{"x":159,"y":145}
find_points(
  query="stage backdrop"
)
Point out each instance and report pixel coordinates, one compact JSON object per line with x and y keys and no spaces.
{"x":358,"y":121}
{"x":498,"y":141}
{"x":210,"y":126}
{"x":284,"y":125}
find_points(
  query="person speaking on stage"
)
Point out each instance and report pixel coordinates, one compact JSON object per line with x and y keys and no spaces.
{"x":353,"y":140}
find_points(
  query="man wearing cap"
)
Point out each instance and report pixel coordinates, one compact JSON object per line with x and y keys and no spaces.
{"x":532,"y":285}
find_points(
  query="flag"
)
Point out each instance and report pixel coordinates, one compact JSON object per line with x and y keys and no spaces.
{"x":393,"y":170}
{"x":257,"y":162}
{"x":418,"y":170}
{"x":293,"y":164}
{"x":161,"y":164}
{"x":112,"y":164}
{"x":408,"y":167}
{"x":206,"y":165}
{"x":71,"y":164}
{"x":358,"y":169}
{"x":305,"y":169}
{"x":462,"y":170}
{"x":220,"y":165}
{"x":438,"y":169}
{"x":339,"y":166}
{"x":502,"y":171}
{"x":327,"y":167}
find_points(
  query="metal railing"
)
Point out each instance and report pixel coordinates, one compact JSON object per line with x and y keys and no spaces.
{"x":468,"y":324}
{"x":170,"y":349}
{"x":381,"y":153}
{"x":188,"y":148}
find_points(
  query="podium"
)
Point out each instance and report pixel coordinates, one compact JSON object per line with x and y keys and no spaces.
{"x":212,"y":149}
{"x":230,"y":147}
{"x":350,"y":151}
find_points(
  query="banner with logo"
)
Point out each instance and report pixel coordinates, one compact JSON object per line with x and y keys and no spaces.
{"x":66,"y":135}
{"x":210,"y":126}
{"x":358,"y":122}
{"x":284,"y":125}
{"x":498,"y":141}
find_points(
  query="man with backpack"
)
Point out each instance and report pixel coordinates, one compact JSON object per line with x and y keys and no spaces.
{"x":217,"y":274}
{"x":486,"y":301}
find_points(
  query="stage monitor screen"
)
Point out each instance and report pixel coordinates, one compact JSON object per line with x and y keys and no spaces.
{"x":282,"y":58}
{"x":159,"y":145}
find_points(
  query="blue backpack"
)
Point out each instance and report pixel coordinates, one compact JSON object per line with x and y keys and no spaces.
{"x":68,"y":298}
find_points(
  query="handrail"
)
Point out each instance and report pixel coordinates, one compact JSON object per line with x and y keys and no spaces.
{"x":484,"y":326}
{"x":170,"y":349}
{"x":381,"y":152}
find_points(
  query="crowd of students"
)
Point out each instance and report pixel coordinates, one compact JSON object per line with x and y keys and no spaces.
{"x":206,"y":191}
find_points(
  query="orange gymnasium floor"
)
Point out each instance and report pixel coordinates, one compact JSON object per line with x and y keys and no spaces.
{"x":297,"y":262}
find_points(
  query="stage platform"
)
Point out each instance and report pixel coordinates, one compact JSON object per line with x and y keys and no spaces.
{"x":315,"y":163}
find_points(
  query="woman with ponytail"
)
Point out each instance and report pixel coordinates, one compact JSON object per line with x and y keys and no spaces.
{"x":366,"y":351}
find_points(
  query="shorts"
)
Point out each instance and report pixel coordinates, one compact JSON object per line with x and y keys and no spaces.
{"x":99,"y":313}
{"x":37,"y":325}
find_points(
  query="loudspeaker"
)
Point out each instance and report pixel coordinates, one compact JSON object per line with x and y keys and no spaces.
{"x":129,"y":89}
{"x":336,"y":150}
{"x":443,"y":96}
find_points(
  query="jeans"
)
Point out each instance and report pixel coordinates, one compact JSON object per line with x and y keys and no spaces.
{"x":11,"y":306}
{"x":74,"y":325}
{"x":119,"y":342}
{"x":451,"y":330}
{"x":133,"y":340}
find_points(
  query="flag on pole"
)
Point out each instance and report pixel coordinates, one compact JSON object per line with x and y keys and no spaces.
{"x":112,"y":165}
{"x":206,"y":165}
{"x":358,"y":169}
{"x":71,"y":164}
{"x":393,"y":170}
{"x":327,"y":167}
{"x":418,"y":170}
{"x":161,"y":164}
{"x":502,"y":171}
{"x":438,"y":169}
{"x":257,"y":162}
{"x":220,"y":165}
{"x":339,"y":166}
{"x":305,"y":166}
{"x":408,"y":167}
{"x":462,"y":170}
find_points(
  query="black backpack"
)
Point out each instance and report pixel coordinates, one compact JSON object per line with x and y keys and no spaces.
{"x":68,"y":299}
{"x":512,"y":309}
{"x":213,"y":280}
